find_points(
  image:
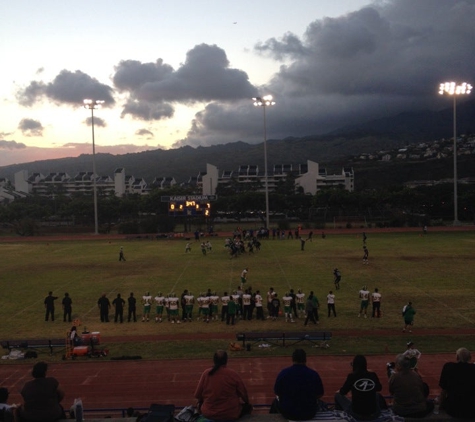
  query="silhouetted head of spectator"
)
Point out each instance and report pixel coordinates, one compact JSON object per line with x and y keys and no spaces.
{"x":299,"y":357}
{"x":39,"y":370}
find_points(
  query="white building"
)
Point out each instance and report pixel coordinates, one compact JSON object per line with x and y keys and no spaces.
{"x":307,"y":176}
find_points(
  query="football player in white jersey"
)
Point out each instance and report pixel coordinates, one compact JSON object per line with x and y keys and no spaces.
{"x":364,"y":296}
{"x":147,"y":305}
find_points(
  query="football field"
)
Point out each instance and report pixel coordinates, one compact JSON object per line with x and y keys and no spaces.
{"x":434,"y":271}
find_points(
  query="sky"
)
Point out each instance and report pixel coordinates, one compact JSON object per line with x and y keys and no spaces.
{"x":173,"y":73}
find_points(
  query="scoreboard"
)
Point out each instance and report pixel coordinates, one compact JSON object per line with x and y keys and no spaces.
{"x":189,"y":208}
{"x":189,"y":205}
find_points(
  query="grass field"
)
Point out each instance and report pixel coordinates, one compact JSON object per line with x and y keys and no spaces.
{"x":435,"y":272}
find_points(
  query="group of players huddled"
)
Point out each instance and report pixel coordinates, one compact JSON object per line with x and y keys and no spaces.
{"x":209,"y":306}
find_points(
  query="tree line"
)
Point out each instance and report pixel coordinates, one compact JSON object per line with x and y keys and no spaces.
{"x":392,"y":207}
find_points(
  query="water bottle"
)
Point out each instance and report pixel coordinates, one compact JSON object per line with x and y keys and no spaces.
{"x":78,"y":410}
{"x":436,"y":406}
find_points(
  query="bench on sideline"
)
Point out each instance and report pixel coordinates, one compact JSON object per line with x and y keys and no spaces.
{"x":34,"y":344}
{"x":278,"y":338}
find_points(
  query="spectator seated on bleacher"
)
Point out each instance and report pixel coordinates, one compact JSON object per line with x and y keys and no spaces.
{"x":409,"y":391}
{"x":298,"y":389}
{"x":364,"y":386}
{"x":457,"y":381}
{"x":221,"y":393}
{"x":42,"y":396}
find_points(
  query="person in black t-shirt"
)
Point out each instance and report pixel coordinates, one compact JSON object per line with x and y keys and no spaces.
{"x":67,"y":307}
{"x":119,"y":303}
{"x":364,"y":386}
{"x":132,"y":307}
{"x":457,"y":381}
{"x":49,"y":306}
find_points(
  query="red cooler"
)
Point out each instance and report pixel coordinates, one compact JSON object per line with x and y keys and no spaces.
{"x":86,"y":338}
{"x":80,"y":351}
{"x":96,"y":337}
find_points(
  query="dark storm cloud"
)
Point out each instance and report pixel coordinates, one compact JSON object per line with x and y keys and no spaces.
{"x":130,"y":75}
{"x":98,"y":122}
{"x":11,"y":145}
{"x":30,"y":127}
{"x":145,"y":110}
{"x":205,"y":76}
{"x":144,"y":132}
{"x":66,"y":88}
{"x":383,"y":59}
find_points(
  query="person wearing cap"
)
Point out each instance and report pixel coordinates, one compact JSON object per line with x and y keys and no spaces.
{"x":412,"y":354}
{"x":298,"y":389}
{"x":121,"y":254}
{"x":409,"y":391}
{"x":364,"y":386}
{"x":457,"y":381}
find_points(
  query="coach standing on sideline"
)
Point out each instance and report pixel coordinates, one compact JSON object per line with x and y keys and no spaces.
{"x":104,"y":306}
{"x":49,"y":306}
{"x":67,"y":307}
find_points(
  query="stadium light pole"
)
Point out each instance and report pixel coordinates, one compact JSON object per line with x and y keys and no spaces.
{"x":265,"y":102}
{"x":93,"y":105}
{"x":454,"y":89}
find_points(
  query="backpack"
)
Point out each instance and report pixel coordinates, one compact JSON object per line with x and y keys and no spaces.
{"x":159,"y":413}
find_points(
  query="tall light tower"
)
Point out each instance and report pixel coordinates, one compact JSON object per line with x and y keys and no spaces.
{"x":264,"y":102}
{"x":92,"y":105}
{"x":454,"y":89}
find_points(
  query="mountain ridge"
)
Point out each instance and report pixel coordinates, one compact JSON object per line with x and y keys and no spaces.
{"x":332,"y":150}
